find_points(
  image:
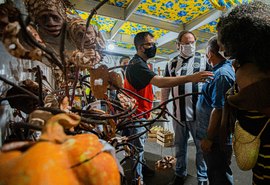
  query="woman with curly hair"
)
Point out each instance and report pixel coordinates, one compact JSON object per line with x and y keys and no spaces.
{"x":244,"y":35}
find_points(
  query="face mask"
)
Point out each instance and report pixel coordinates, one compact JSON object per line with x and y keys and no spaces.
{"x":187,"y":50}
{"x":150,"y":52}
{"x":222,"y":53}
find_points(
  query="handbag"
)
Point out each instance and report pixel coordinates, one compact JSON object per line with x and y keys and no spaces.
{"x":246,"y":147}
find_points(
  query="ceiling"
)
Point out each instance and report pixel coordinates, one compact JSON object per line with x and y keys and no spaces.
{"x":120,"y":20}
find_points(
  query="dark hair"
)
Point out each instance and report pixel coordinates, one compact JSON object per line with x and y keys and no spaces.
{"x":140,"y":37}
{"x":122,"y":58}
{"x":182,"y":33}
{"x":213,"y":45}
{"x":245,"y":34}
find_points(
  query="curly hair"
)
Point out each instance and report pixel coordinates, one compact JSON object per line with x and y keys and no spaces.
{"x":245,"y":34}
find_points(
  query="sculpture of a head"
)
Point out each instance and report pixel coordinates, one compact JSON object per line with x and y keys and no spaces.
{"x":48,"y":15}
{"x":77,"y":28}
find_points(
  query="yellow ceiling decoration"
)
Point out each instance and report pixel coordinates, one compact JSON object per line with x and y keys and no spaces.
{"x":104,"y":23}
{"x":132,"y":47}
{"x":120,"y":3}
{"x":210,"y":27}
{"x":201,"y":40}
{"x":165,"y":51}
{"x":132,"y":29}
{"x":177,"y":11}
{"x":226,"y":4}
{"x":125,"y":45}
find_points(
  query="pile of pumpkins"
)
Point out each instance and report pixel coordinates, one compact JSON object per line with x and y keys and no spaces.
{"x":59,"y":159}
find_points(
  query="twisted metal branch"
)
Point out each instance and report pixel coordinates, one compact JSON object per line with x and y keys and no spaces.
{"x":92,"y":13}
{"x":20,"y":88}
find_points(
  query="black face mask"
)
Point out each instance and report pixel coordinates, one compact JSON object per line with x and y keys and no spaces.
{"x":150,"y":52}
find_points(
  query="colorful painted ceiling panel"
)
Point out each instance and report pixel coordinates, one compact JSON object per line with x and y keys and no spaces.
{"x":125,"y":45}
{"x":120,"y":3}
{"x":132,"y":47}
{"x":132,"y":29}
{"x":177,"y":11}
{"x":210,"y":27}
{"x":226,"y":4}
{"x":165,"y":51}
{"x":105,"y":24}
{"x":201,"y":41}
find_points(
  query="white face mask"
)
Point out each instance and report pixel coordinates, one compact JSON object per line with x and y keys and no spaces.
{"x":187,"y":50}
{"x":222,"y":53}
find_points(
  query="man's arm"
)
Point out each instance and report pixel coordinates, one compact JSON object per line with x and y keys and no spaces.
{"x":162,"y":82}
{"x":221,"y":85}
{"x":165,"y":92}
{"x":213,"y":129}
{"x":214,"y":123}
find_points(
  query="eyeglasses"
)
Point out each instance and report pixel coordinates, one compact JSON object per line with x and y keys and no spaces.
{"x":149,"y":44}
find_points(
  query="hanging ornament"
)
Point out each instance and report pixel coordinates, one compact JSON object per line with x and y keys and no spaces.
{"x":226,"y":4}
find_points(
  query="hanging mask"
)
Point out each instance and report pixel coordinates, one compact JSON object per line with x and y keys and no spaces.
{"x":187,"y":50}
{"x":208,"y":60}
{"x":223,"y":54}
{"x":150,"y":52}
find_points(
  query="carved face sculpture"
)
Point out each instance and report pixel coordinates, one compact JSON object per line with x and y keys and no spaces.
{"x":48,"y":15}
{"x":90,"y":37}
{"x":50,"y":22}
{"x":77,"y":29}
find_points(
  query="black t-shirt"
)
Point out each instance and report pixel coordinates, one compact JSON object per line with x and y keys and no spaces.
{"x":138,"y":73}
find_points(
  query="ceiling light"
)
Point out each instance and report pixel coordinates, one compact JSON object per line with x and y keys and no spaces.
{"x":111,"y":46}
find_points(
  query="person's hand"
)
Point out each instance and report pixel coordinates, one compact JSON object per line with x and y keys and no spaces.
{"x":201,"y":76}
{"x":206,"y":145}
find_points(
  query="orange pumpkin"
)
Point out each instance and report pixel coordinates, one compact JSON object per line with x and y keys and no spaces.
{"x":58,"y":159}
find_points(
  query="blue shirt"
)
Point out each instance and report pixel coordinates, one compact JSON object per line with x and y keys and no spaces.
{"x":213,"y":95}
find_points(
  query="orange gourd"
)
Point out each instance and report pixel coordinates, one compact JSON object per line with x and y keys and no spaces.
{"x":58,"y":159}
